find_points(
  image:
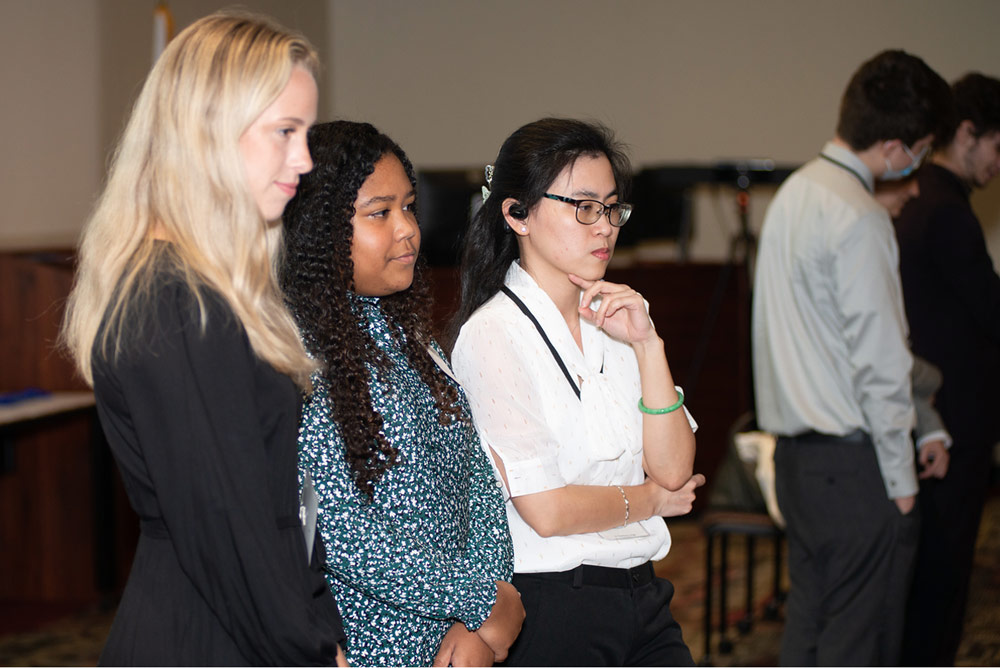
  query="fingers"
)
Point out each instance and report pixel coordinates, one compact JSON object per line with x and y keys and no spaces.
{"x":470,"y":650}
{"x":447,"y":648}
{"x":926,"y":454}
{"x":698,"y":480}
{"x":613,"y":301}
{"x":593,"y":288}
{"x":905,"y":504}
{"x":588,"y":315}
{"x":939,"y":467}
{"x":933,"y":460}
{"x":443,"y":657}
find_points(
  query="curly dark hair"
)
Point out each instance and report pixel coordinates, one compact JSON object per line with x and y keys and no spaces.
{"x":317,"y":276}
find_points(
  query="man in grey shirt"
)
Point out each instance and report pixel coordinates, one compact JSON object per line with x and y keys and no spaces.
{"x":832,"y":370}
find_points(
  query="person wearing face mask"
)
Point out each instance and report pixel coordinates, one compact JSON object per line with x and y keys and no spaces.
{"x":952,"y":297}
{"x":177,"y":321}
{"x":418,"y":549}
{"x":571,"y":391}
{"x":832,"y":370}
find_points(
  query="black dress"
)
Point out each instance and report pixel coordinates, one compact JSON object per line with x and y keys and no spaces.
{"x":204,"y":434}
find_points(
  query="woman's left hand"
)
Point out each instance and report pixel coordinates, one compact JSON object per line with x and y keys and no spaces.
{"x":622,"y":312}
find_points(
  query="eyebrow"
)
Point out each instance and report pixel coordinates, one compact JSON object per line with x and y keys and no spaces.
{"x":381,"y":199}
{"x":590,"y":194}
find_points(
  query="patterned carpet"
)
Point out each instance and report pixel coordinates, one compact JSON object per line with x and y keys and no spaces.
{"x":76,"y":640}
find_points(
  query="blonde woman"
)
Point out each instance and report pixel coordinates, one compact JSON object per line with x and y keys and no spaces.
{"x":177,"y":322}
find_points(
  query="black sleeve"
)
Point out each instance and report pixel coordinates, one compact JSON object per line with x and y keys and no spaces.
{"x":964,"y":264}
{"x":193,"y":397}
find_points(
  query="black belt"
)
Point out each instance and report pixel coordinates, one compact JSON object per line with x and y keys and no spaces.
{"x":155,"y":527}
{"x":600,"y":576}
{"x":858,"y":437}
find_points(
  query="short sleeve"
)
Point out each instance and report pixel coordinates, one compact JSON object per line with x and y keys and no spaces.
{"x":491,"y":367}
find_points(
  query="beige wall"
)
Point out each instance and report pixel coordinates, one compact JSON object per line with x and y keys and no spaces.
{"x":680,"y":80}
{"x":49,"y":146}
{"x":71,"y":70}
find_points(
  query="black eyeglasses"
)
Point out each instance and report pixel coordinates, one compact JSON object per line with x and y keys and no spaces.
{"x":589,"y":211}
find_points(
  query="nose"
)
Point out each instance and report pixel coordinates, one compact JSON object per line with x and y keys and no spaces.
{"x":603,"y":226}
{"x":300,"y":159}
{"x":406,"y":226}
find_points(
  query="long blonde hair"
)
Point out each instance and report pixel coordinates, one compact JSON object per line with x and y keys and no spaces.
{"x":178,"y":170}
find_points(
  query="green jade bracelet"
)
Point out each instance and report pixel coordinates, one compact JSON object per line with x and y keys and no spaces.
{"x":662,"y":411}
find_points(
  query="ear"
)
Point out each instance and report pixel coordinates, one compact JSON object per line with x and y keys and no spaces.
{"x":513,"y":222}
{"x":965,"y":133}
{"x":890,"y":145}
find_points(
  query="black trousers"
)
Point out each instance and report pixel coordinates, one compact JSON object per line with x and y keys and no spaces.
{"x":850,"y":553}
{"x":595,"y":616}
{"x":950,"y":509}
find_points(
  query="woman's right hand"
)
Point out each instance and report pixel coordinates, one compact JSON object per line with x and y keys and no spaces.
{"x":504,"y":623}
{"x":461,"y":647}
{"x":674,"y":504}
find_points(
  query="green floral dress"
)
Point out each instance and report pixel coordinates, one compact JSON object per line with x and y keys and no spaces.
{"x":428,"y":550}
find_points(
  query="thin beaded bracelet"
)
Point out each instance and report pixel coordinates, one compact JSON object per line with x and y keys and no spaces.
{"x":625,"y":498}
{"x":662,"y":411}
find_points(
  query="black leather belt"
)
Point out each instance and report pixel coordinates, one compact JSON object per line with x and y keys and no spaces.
{"x":600,"y":576}
{"x":858,"y":436}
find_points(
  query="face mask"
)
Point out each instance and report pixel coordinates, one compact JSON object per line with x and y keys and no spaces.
{"x":891,"y":174}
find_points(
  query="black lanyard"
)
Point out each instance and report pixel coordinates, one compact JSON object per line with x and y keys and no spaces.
{"x":552,"y":349}
{"x":848,"y":168}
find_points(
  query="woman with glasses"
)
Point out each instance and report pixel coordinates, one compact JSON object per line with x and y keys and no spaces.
{"x":571,"y":392}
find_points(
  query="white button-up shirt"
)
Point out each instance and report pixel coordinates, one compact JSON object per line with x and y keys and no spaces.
{"x":830,"y":347}
{"x":527,"y":412}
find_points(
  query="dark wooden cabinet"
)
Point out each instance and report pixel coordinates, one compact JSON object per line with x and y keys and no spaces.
{"x":63,"y":536}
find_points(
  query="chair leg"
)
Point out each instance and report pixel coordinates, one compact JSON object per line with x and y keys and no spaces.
{"x":745,"y":624}
{"x":706,"y":659}
{"x":771,"y":611}
{"x":725,"y":645}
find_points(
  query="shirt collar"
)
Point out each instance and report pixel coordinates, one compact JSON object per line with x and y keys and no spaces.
{"x":850,"y":160}
{"x":551,"y":320}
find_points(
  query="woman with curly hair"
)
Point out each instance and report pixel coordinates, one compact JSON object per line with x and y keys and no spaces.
{"x":418,"y":550}
{"x":177,"y":321}
{"x":570,"y":387}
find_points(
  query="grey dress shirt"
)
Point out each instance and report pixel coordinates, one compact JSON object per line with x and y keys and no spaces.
{"x":830,"y":347}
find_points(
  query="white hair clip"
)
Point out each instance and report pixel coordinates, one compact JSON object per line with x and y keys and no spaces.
{"x":489,"y":182}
